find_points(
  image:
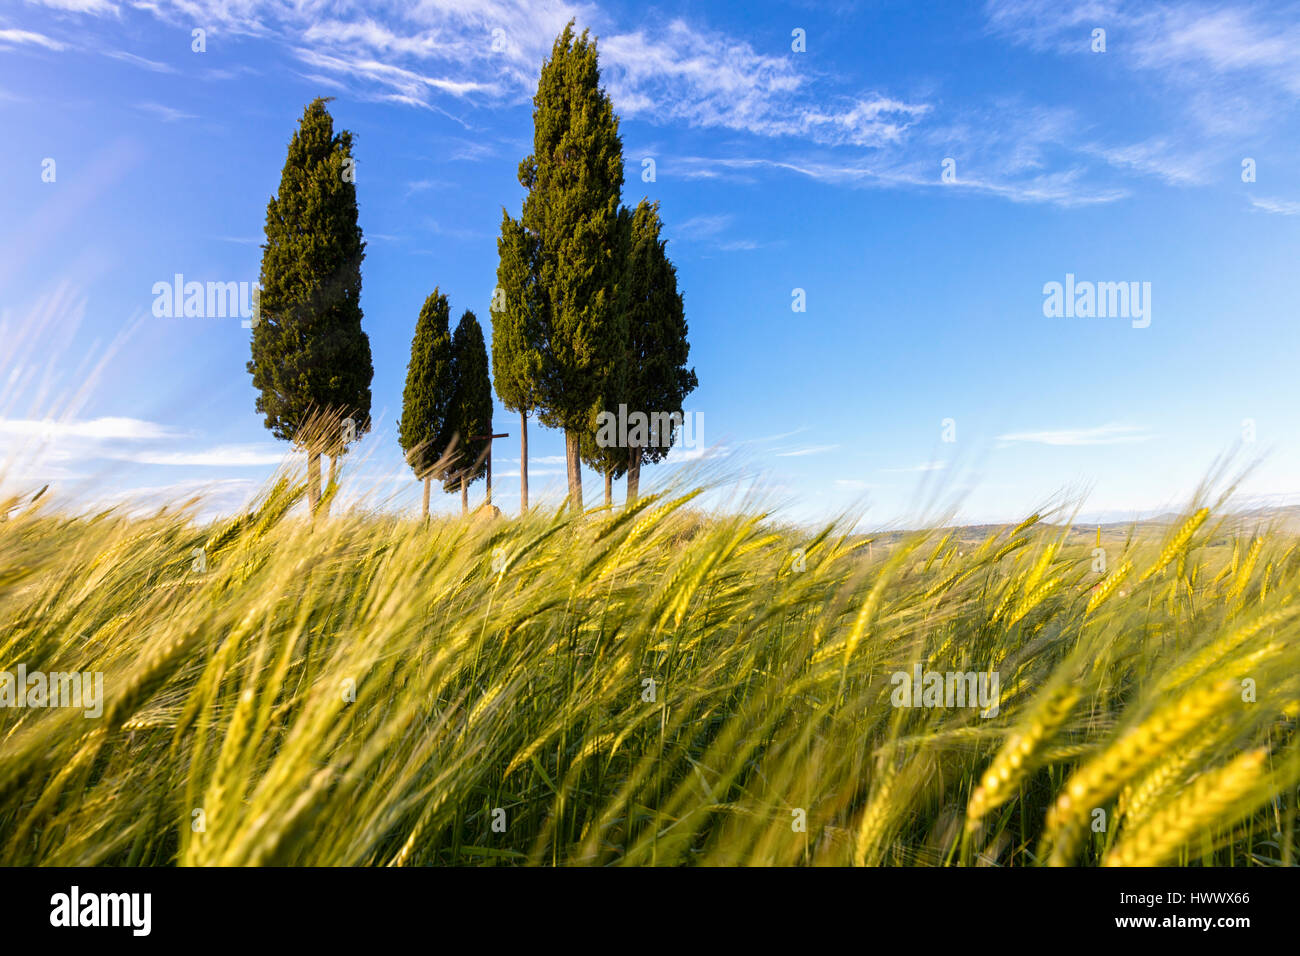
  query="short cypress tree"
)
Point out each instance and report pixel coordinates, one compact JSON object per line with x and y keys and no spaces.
{"x":470,"y":414}
{"x":424,"y":430}
{"x":310,"y":357}
{"x":574,"y":179}
{"x":518,"y":335}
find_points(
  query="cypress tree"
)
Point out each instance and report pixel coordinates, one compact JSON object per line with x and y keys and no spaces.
{"x":574,"y":178}
{"x":310,"y":357}
{"x":470,"y":415}
{"x":424,"y":431}
{"x":603,"y":457}
{"x":657,"y":379}
{"x":517,"y":333}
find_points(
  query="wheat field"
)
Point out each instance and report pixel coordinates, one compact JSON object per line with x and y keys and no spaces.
{"x":656,"y":685}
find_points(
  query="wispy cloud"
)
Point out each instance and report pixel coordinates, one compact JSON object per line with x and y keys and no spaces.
{"x":778,"y":437}
{"x":115,"y":429}
{"x":686,"y":73}
{"x":220,"y":456}
{"x":423,"y":185}
{"x":470,"y":150}
{"x":1214,"y":56}
{"x":703,"y":227}
{"x":165,"y":113}
{"x":1110,"y":434}
{"x":924,"y":466}
{"x":454,"y":58}
{"x":1066,"y":188}
{"x":1160,"y":158}
{"x":404,"y":85}
{"x":140,"y":61}
{"x":28,"y":38}
{"x":130,"y":440}
{"x":99,"y":8}
{"x":1281,"y":207}
{"x":216,"y":497}
{"x":806,"y":450}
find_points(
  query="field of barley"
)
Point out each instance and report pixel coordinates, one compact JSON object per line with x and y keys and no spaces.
{"x":656,"y":685}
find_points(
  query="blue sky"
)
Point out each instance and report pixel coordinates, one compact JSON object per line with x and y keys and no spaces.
{"x":776,"y":170}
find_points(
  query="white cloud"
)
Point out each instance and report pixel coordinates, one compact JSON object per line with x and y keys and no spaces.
{"x":406,"y":86}
{"x":1158,"y":157}
{"x":44,"y":445}
{"x":777,"y":437}
{"x":100,"y":429}
{"x":806,"y":450}
{"x":701,"y":227}
{"x":453,"y":56}
{"x":30,"y":39}
{"x":98,"y":8}
{"x":685,"y":73}
{"x":1110,"y":434}
{"x":1207,"y":52}
{"x":924,"y":466}
{"x":1063,"y":188}
{"x":1281,"y":207}
{"x":215,"y":498}
{"x":165,"y":113}
{"x":140,"y":61}
{"x":234,"y":456}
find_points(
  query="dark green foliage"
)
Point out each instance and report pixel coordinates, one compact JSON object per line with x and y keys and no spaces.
{"x":612,"y":460}
{"x":309,"y":353}
{"x":470,"y":410}
{"x":657,"y":379}
{"x":424,"y":431}
{"x":517,"y":319}
{"x":574,"y":179}
{"x":518,"y":332}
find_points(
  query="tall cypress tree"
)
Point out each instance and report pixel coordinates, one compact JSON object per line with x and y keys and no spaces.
{"x":424,"y":430}
{"x":574,"y":178}
{"x":611,"y":460}
{"x":471,"y":407}
{"x":657,"y":379}
{"x":517,"y":333}
{"x":310,"y":357}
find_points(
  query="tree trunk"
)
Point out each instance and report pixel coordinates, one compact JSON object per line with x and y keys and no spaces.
{"x":523,"y":462}
{"x":609,"y":487}
{"x":464,"y":495}
{"x":313,"y":479}
{"x":425,"y":513}
{"x":633,"y":473}
{"x":573,"y":458}
{"x":333,"y":477}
